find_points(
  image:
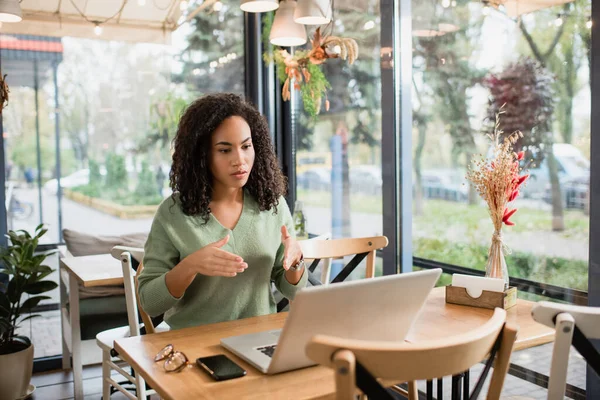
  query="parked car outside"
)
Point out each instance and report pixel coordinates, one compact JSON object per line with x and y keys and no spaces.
{"x":572,"y":166}
{"x":574,"y":193}
{"x":444,"y":184}
{"x":318,"y":178}
{"x":366,"y":179}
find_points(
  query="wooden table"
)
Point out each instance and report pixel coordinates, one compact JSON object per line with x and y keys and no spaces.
{"x":436,"y":321}
{"x":89,"y":271}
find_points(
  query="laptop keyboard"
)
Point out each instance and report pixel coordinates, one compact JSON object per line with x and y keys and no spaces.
{"x":267,"y":350}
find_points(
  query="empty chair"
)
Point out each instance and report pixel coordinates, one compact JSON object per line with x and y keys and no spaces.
{"x":367,"y":363}
{"x":130,"y":260}
{"x":574,"y":325}
{"x":317,"y":249}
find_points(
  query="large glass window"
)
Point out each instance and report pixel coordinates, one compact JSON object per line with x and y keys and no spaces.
{"x":119,"y":105}
{"x":465,"y":52}
{"x":469,"y":59}
{"x":338,"y":153}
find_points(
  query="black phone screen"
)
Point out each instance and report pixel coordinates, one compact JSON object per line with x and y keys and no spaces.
{"x":220,"y":367}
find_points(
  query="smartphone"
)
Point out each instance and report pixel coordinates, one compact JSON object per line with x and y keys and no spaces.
{"x":220,"y":367}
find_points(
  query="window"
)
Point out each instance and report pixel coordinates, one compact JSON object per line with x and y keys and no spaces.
{"x":463,"y":53}
{"x":338,"y":153}
{"x":120,"y":103}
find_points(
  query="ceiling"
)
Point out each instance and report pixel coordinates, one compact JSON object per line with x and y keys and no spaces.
{"x":126,"y":20}
{"x":515,"y":8}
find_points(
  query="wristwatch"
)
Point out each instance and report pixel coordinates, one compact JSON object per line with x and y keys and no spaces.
{"x":299,"y":265}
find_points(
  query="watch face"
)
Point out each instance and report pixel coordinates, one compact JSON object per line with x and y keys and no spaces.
{"x":298,"y":266}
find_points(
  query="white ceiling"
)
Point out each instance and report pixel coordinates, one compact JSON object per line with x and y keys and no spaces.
{"x":515,"y":8}
{"x":152,"y":22}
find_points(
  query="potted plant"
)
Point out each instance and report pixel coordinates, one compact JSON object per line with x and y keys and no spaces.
{"x":26,"y":274}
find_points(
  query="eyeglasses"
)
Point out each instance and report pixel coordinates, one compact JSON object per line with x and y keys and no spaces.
{"x":175,"y":361}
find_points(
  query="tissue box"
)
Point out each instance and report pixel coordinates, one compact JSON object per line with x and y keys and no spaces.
{"x":491,"y":300}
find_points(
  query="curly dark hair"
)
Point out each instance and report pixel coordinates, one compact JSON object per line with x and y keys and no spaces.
{"x":190,"y":174}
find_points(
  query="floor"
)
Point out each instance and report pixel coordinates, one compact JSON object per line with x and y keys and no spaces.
{"x":58,"y":385}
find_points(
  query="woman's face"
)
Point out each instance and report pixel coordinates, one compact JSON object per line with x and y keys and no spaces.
{"x":232,"y":153}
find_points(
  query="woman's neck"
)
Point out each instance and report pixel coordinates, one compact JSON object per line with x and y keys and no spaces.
{"x":227,"y":195}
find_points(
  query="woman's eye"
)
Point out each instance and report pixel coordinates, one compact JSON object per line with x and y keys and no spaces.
{"x":247,"y":146}
{"x":223,"y":151}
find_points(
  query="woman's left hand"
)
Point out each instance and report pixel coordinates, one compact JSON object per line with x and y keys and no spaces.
{"x":292,"y":252}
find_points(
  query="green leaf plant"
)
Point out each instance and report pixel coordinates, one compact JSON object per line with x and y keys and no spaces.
{"x":302,"y":70}
{"x":27,"y":272}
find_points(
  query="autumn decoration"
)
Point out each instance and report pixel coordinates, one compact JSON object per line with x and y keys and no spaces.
{"x":302,"y":71}
{"x":498,"y":181}
{"x":3,"y":93}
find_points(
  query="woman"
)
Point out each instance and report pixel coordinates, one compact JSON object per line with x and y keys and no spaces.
{"x":226,"y":232}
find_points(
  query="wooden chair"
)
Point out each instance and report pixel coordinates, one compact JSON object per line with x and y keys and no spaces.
{"x":575,"y":325}
{"x":360,"y":364}
{"x":129,"y":257}
{"x":326,"y":250}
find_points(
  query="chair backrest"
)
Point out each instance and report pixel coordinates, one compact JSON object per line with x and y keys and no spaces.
{"x":323,"y":249}
{"x":586,"y":318}
{"x":339,"y":248}
{"x":130,"y":262}
{"x":148,"y":322}
{"x":574,"y":326}
{"x":393,"y":362}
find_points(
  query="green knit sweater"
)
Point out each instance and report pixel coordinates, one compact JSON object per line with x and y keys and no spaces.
{"x":256,"y":238}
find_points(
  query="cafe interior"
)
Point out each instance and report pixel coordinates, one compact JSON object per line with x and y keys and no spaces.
{"x":396,"y":199}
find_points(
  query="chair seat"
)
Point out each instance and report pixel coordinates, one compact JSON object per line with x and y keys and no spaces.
{"x":106,"y":339}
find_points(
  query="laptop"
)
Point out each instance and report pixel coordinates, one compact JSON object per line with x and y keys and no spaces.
{"x":381,"y":308}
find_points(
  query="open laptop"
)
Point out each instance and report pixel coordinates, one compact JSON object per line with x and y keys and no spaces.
{"x":381,"y":308}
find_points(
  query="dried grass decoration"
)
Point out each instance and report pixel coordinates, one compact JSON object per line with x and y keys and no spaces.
{"x":302,"y":69}
{"x":3,"y":92}
{"x":497,"y":181}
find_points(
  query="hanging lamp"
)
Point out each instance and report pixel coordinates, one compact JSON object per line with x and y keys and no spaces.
{"x":313,"y":12}
{"x":285,"y":32}
{"x":10,"y":11}
{"x":257,"y":6}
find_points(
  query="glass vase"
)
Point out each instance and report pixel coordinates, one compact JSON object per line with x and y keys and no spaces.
{"x":496,"y":265}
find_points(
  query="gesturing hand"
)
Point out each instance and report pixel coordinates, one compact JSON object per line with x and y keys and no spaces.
{"x":211,"y":260}
{"x":291,"y":249}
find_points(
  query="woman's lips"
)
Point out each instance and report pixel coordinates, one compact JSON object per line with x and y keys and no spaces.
{"x":239,"y":175}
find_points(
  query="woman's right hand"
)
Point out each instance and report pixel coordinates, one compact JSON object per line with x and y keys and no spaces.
{"x":211,"y":260}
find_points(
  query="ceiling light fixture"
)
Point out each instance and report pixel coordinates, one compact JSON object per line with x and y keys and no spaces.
{"x":10,"y":11}
{"x":285,"y":32}
{"x":313,"y":12}
{"x":97,"y":29}
{"x":257,"y":6}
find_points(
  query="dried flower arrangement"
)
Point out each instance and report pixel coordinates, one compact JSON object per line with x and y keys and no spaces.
{"x":3,"y":92}
{"x":498,"y":181}
{"x":301,"y":70}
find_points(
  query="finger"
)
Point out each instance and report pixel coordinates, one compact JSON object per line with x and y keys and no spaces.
{"x":225,"y":274}
{"x":228,"y":266}
{"x":286,"y":261}
{"x":225,"y":255}
{"x":284,"y":233}
{"x":220,"y":243}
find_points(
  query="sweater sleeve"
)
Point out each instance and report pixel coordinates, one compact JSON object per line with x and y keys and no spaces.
{"x":160,"y":256}
{"x":278,"y":273}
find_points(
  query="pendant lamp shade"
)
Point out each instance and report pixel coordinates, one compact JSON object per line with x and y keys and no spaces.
{"x":10,"y":11}
{"x":285,"y":32}
{"x":313,"y":12}
{"x":257,"y":6}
